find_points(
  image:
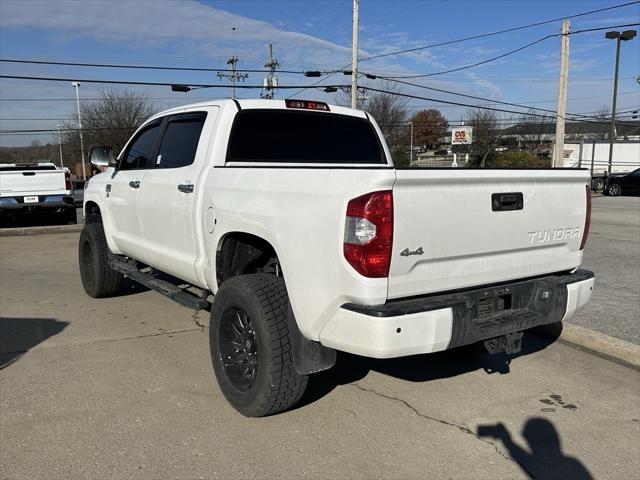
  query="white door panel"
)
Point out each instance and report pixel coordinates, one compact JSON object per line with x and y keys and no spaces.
{"x":122,"y":202}
{"x":168,"y":197}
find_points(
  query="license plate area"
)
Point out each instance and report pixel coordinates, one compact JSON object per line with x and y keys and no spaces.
{"x":494,"y":302}
{"x":31,"y":199}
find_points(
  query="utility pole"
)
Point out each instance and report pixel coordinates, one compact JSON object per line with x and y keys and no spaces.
{"x":270,"y":81}
{"x":354,"y":58}
{"x":60,"y":145}
{"x":558,"y":154}
{"x":411,"y":145}
{"x":233,"y":76}
{"x":77,"y":87}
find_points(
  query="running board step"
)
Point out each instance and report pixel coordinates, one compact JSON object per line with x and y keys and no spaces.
{"x":168,"y":289}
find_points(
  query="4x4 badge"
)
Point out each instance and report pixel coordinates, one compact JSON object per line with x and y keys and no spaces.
{"x":406,"y":252}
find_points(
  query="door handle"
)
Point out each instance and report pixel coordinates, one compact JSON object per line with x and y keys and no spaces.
{"x":134,"y":183}
{"x":185,"y":187}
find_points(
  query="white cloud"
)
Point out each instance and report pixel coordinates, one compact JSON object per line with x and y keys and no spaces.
{"x":203,"y":29}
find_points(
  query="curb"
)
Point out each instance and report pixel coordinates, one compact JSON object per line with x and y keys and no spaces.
{"x":581,"y":338}
{"x":23,"y":231}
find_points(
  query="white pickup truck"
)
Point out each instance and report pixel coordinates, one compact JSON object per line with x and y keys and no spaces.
{"x":291,"y":215}
{"x":30,"y":188}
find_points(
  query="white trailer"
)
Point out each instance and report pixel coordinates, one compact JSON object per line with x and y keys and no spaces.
{"x":594,"y":155}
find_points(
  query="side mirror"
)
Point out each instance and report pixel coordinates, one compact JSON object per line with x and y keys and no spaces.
{"x":102,"y":157}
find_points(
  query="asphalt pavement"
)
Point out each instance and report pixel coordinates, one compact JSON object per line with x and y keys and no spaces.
{"x":124,"y":388}
{"x":613,"y":253}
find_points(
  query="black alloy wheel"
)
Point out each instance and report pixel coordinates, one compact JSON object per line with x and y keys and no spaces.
{"x":237,"y":345}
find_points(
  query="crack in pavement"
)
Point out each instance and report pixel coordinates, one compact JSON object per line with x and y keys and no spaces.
{"x":202,"y":326}
{"x":461,"y":428}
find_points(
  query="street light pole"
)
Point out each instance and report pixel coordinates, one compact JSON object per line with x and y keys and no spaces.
{"x":60,"y":145}
{"x":619,"y":37}
{"x":77,"y":87}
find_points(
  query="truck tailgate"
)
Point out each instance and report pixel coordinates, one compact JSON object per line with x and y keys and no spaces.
{"x":32,"y":181}
{"x":449,"y":233}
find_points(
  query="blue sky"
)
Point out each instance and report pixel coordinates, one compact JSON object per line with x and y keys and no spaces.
{"x":307,"y":35}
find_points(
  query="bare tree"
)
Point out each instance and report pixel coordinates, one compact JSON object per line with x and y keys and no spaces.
{"x":390,"y":111}
{"x":534,"y":131}
{"x":110,"y":121}
{"x":486,"y":133}
{"x":602,"y":115}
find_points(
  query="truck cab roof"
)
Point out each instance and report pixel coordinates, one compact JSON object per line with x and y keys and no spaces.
{"x":246,"y":104}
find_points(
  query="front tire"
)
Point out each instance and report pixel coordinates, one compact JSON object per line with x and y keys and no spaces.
{"x":99,"y":280}
{"x":250,"y":346}
{"x":614,"y":189}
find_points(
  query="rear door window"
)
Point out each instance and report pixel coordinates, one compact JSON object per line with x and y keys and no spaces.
{"x":180,"y":140}
{"x":283,"y":136}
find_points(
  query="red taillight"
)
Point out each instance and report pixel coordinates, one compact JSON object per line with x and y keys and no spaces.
{"x":587,"y":219}
{"x":368,"y":235}
{"x":67,"y":181}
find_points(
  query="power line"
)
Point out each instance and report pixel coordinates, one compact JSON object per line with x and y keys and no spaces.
{"x":507,"y":30}
{"x":480,"y":107}
{"x":142,"y":67}
{"x":87,"y":99}
{"x":475,"y":97}
{"x":46,"y":130}
{"x":151,"y":84}
{"x":511,"y":52}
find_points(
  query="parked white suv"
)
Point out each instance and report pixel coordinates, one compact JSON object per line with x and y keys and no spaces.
{"x":291,"y":214}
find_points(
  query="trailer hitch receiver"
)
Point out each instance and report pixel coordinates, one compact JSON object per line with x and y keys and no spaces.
{"x":510,"y":343}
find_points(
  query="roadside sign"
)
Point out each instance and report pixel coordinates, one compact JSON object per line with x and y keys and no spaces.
{"x":461,"y":135}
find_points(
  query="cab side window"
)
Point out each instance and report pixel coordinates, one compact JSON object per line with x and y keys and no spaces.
{"x":140,"y":153}
{"x":180,"y":140}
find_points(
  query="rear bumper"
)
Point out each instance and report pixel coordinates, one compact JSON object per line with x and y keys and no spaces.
{"x":437,"y":322}
{"x":45,"y":203}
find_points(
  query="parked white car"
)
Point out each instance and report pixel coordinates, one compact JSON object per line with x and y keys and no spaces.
{"x":292,"y":215}
{"x":27,"y":188}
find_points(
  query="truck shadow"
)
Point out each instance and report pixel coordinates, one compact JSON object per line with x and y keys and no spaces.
{"x":44,"y":219}
{"x":19,"y":335}
{"x":423,"y":368}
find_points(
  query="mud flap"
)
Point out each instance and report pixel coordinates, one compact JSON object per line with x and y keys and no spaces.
{"x":308,"y":356}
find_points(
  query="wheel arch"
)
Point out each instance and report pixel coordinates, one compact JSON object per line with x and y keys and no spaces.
{"x":92,"y":211}
{"x":240,"y":252}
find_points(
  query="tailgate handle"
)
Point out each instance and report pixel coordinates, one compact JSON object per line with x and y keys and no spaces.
{"x":506,"y":201}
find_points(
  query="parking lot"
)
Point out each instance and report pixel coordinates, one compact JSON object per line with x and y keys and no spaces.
{"x":123,"y":388}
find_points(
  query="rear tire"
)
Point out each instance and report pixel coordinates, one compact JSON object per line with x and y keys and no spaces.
{"x":71,"y":216}
{"x":614,"y":189}
{"x":250,"y":346}
{"x":98,"y":279}
{"x":597,"y":184}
